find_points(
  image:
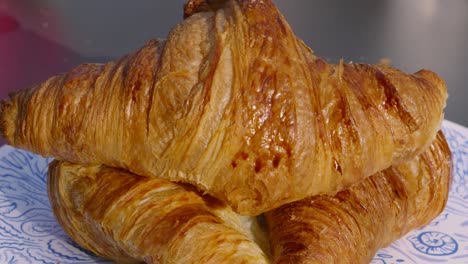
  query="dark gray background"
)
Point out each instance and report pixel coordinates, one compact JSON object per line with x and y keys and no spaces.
{"x":414,"y":34}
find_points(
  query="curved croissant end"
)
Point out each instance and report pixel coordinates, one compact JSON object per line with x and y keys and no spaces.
{"x":130,"y":219}
{"x":235,"y":104}
{"x":351,"y":226}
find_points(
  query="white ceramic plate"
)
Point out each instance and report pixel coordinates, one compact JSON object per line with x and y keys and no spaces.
{"x":30,"y":234}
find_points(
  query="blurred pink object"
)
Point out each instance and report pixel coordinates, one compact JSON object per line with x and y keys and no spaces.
{"x":26,"y":58}
{"x":7,"y":23}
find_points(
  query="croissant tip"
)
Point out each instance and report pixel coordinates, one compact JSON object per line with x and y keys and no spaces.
{"x":8,"y":115}
{"x":3,"y":120}
{"x":430,"y":76}
{"x":195,"y":6}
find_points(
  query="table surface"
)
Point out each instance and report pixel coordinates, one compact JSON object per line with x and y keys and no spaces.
{"x":52,"y":36}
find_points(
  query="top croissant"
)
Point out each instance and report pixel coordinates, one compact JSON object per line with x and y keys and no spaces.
{"x":235,"y":104}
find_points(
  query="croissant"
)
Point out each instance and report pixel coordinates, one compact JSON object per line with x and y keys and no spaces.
{"x":352,"y":225}
{"x":235,"y":104}
{"x":130,"y":218}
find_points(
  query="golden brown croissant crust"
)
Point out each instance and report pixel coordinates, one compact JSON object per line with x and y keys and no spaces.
{"x":235,"y":104}
{"x":129,"y":218}
{"x":351,"y":226}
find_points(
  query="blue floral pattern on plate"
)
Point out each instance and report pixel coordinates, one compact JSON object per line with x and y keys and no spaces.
{"x":29,"y":232}
{"x":434,"y":243}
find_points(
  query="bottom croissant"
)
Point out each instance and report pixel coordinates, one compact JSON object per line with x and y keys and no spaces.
{"x":353,"y":225}
{"x":130,"y":219}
